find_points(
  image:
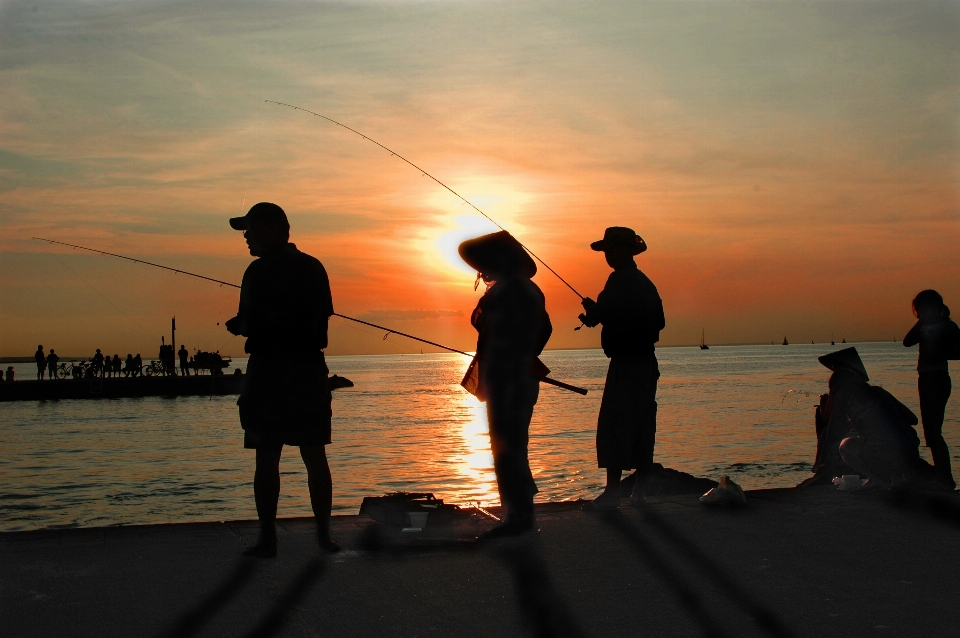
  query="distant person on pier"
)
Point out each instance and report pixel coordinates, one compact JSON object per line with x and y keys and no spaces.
{"x":128,"y":366}
{"x":116,"y":365}
{"x":513,"y":327}
{"x":285,"y":306}
{"x":9,"y":374}
{"x":166,"y":359}
{"x":137,"y":365}
{"x":52,"y":360}
{"x":184,"y":363}
{"x":41,"y":360}
{"x":863,"y":429}
{"x":631,"y":312}
{"x":939,"y":340}
{"x":96,"y":363}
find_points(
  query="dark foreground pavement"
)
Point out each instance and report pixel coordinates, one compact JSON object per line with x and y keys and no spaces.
{"x":821,"y":563}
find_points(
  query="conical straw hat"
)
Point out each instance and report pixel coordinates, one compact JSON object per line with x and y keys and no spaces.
{"x":499,"y":253}
{"x":846,"y":358}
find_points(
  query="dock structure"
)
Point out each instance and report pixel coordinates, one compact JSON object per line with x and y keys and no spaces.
{"x":801,"y":562}
{"x":121,"y":387}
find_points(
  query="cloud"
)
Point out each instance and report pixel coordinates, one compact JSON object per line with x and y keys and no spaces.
{"x":744,"y":141}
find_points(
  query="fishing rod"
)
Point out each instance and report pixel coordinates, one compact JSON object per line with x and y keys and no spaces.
{"x":422,"y":171}
{"x":559,"y":384}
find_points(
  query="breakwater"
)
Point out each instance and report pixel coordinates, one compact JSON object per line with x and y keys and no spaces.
{"x":121,"y":387}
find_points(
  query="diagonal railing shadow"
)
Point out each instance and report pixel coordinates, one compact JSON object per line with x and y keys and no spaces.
{"x":766,"y":619}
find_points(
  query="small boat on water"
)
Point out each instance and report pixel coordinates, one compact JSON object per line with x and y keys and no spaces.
{"x":703,"y":342}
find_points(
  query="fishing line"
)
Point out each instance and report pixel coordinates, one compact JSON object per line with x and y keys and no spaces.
{"x":95,"y":290}
{"x":424,"y":173}
{"x":544,"y":379}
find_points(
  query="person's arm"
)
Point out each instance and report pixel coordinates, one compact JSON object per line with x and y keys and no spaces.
{"x":239,"y":325}
{"x":912,"y":338}
{"x":599,"y":311}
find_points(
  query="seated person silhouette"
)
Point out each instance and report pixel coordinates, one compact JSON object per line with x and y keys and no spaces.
{"x":866,"y":428}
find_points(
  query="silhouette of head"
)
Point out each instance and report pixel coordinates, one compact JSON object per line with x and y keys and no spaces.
{"x":928,"y":305}
{"x":497,"y":256}
{"x":39,"y":347}
{"x":846,"y":360}
{"x":51,"y":351}
{"x":98,"y":350}
{"x":619,"y":245}
{"x":265,"y":226}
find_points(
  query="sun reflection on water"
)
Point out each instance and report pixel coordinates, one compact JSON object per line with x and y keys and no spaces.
{"x":473,"y":459}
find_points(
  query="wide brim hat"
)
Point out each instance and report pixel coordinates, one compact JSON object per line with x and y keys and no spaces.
{"x":620,"y":237}
{"x":264,"y":212}
{"x":497,"y":254}
{"x":846,"y":358}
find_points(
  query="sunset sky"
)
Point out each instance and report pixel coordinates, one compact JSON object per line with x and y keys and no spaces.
{"x":794,"y":167}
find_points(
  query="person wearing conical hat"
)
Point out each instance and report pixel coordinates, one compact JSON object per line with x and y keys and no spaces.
{"x":513,"y":327}
{"x":939,"y":340}
{"x":863,"y":429}
{"x":631,"y":312}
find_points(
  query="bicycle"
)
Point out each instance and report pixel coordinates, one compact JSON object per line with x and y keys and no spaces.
{"x":155,"y":368}
{"x":74,"y":369}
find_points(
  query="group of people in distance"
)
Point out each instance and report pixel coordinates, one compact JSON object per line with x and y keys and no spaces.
{"x":132,"y":366}
{"x":285,"y":302}
{"x":863,"y":429}
{"x":285,"y":305}
{"x":46,"y":362}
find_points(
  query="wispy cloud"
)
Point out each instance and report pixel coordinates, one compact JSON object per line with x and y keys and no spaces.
{"x":747,"y":142}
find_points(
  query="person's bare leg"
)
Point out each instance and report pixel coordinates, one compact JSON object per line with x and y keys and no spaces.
{"x":610,"y":498}
{"x":266,"y":493}
{"x":321,"y":492}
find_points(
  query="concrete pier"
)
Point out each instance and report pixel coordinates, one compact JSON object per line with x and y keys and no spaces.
{"x":121,"y":387}
{"x":822,"y":563}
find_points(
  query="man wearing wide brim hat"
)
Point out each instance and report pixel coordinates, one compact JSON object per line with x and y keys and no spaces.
{"x":513,"y":327}
{"x":285,"y":305}
{"x":631,"y":312}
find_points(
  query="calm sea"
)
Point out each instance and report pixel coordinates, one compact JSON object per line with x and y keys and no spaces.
{"x":744,"y":411}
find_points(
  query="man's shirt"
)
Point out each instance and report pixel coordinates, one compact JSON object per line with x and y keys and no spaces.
{"x":630,"y":309}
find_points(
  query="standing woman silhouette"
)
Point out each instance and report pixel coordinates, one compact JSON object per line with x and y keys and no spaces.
{"x":939,"y":340}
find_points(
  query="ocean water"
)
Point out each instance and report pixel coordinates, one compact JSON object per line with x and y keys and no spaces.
{"x":744,"y":411}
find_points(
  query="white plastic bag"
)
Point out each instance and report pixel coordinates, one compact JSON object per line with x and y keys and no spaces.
{"x":727,"y":493}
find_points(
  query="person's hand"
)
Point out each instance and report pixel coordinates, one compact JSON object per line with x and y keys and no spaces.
{"x":588,"y":303}
{"x":233,"y":325}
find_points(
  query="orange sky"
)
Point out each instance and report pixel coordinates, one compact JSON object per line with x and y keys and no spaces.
{"x":793,"y":167}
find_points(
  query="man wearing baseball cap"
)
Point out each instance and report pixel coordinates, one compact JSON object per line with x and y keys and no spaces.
{"x":631,"y":312}
{"x":285,"y":304}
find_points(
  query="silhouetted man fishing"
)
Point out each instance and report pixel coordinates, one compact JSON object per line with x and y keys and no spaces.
{"x":513,"y":326}
{"x":631,"y":312}
{"x":285,"y":305}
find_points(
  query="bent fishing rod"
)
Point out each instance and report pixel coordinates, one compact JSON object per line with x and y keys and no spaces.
{"x":425,"y":173}
{"x":554,"y":382}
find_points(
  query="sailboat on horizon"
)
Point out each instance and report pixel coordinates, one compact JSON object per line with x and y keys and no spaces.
{"x":785,"y":342}
{"x":703,"y":342}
